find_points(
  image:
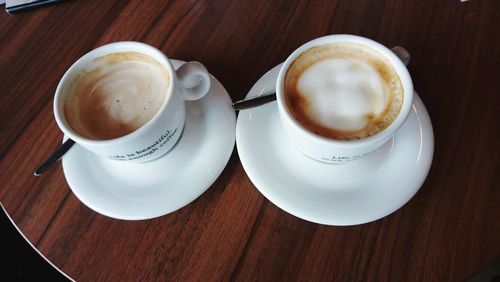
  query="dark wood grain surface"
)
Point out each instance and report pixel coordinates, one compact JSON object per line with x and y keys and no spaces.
{"x":447,"y":232}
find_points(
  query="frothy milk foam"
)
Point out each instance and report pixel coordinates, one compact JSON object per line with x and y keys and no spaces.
{"x":343,"y":91}
{"x":122,"y":94}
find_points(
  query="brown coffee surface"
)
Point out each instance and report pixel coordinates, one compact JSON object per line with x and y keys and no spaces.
{"x":343,"y":91}
{"x":117,"y":97}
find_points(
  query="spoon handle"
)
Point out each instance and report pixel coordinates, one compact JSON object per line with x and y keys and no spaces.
{"x":254,"y":102}
{"x":58,"y":153}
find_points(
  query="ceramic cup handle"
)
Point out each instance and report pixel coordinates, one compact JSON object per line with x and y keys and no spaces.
{"x":402,"y":53}
{"x":194,"y":79}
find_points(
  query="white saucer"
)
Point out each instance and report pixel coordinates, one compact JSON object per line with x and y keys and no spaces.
{"x":347,"y":194}
{"x":135,"y":191}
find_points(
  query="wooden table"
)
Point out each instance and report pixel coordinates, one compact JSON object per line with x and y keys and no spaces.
{"x":447,"y":232}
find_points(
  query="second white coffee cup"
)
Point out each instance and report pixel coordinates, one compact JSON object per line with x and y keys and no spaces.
{"x":331,"y":150}
{"x":159,"y":134}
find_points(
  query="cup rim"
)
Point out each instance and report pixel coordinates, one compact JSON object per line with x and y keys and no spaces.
{"x":78,"y":65}
{"x":398,"y":65}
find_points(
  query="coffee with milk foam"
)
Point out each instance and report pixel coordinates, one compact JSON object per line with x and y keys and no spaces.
{"x":343,"y":91}
{"x":122,"y":94}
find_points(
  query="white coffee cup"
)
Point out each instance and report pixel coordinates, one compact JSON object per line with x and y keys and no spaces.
{"x":331,"y":150}
{"x":158,"y":135}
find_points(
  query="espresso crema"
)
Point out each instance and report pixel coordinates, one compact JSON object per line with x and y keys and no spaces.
{"x":343,"y":91}
{"x":119,"y":96}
